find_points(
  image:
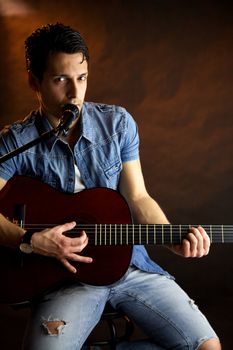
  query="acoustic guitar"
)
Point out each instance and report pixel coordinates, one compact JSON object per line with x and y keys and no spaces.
{"x":102,"y":213}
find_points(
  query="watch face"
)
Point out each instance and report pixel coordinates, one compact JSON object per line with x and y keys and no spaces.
{"x":26,"y":248}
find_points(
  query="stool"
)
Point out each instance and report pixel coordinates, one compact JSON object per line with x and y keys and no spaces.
{"x":115,"y":321}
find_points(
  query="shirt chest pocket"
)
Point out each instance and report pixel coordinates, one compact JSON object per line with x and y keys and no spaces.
{"x":109,"y":160}
{"x":100,"y":164}
{"x":103,"y":169}
{"x":113,"y":169}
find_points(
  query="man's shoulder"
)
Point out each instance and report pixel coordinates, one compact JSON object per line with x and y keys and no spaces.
{"x":102,"y":121}
{"x":20,"y":126}
{"x":103,"y":108}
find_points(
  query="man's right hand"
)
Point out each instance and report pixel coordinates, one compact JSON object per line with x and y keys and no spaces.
{"x":52,"y":242}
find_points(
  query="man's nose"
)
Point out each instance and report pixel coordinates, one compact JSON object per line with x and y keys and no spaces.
{"x":72,"y":91}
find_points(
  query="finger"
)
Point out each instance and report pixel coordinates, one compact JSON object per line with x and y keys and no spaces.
{"x":68,"y":265}
{"x":67,"y":226}
{"x":80,"y":258}
{"x":193,"y":243}
{"x":203,"y":241}
{"x":186,"y":248}
{"x":206,"y":240}
{"x":57,"y":231}
{"x":76,"y":245}
{"x":77,"y":258}
{"x":80,"y":240}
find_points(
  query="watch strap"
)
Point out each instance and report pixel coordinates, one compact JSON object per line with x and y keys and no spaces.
{"x":27,"y":237}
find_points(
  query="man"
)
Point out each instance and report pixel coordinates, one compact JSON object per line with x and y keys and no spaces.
{"x":100,"y":150}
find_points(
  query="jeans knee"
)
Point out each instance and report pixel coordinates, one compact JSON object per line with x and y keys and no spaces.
{"x":53,"y":327}
{"x":210,"y":344}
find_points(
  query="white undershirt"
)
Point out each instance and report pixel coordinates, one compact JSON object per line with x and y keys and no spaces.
{"x":78,"y":184}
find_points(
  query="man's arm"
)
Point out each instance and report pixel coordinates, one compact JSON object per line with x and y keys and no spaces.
{"x":145,"y":210}
{"x":10,"y":234}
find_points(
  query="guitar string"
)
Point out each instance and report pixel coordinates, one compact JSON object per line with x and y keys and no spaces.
{"x":151,"y":227}
{"x":218,"y":233}
{"x":139,"y":226}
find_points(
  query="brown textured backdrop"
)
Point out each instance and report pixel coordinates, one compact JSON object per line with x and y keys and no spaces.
{"x":170,"y":63}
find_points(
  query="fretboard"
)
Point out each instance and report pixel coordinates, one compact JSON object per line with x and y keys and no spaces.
{"x":149,"y":234}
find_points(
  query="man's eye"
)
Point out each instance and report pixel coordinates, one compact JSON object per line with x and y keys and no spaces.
{"x":60,"y":79}
{"x":83,"y":78}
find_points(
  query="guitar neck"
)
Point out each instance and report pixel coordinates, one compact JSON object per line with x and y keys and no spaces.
{"x":149,"y":234}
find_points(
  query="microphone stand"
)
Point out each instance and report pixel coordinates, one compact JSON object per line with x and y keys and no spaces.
{"x":70,"y":113}
{"x":55,"y":131}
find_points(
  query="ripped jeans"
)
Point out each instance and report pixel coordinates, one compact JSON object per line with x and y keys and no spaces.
{"x":170,"y":319}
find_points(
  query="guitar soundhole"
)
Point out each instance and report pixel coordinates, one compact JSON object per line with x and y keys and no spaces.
{"x":82,"y":219}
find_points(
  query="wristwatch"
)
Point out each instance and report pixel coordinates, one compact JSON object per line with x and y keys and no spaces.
{"x":26,"y":243}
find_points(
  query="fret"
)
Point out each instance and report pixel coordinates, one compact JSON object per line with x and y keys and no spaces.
{"x":146,"y":234}
{"x":115,"y":234}
{"x":96,"y":234}
{"x":162,"y":227}
{"x":211,"y":234}
{"x":133,"y":234}
{"x":105,"y":234}
{"x":121,"y":234}
{"x":140,"y":234}
{"x":110,"y":234}
{"x":171,"y":240}
{"x":180,"y":233}
{"x":155,"y":240}
{"x":222,"y":234}
{"x":100,"y":236}
{"x":127,"y":235}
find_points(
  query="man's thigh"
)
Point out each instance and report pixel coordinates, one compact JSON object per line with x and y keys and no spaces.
{"x":162,"y":310}
{"x":64,"y":319}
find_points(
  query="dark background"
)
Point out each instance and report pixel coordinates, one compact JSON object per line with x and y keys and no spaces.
{"x":170,"y":63}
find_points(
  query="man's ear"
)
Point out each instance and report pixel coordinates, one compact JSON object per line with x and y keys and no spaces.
{"x":33,"y":82}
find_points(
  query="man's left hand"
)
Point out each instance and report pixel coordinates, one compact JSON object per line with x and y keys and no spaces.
{"x":195,"y":245}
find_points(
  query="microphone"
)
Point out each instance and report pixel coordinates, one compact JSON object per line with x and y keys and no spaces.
{"x":70,"y":113}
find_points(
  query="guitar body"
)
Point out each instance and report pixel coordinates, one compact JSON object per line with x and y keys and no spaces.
{"x":24,"y":277}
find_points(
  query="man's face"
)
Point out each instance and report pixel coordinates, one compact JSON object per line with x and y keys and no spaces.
{"x":64,"y":81}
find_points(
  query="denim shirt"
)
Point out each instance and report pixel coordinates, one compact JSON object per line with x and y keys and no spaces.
{"x":108,"y":138}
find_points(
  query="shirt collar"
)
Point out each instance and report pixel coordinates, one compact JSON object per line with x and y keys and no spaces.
{"x":43,"y":125}
{"x":87,"y":129}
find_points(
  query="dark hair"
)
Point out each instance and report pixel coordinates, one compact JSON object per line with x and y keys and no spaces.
{"x":49,"y":39}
